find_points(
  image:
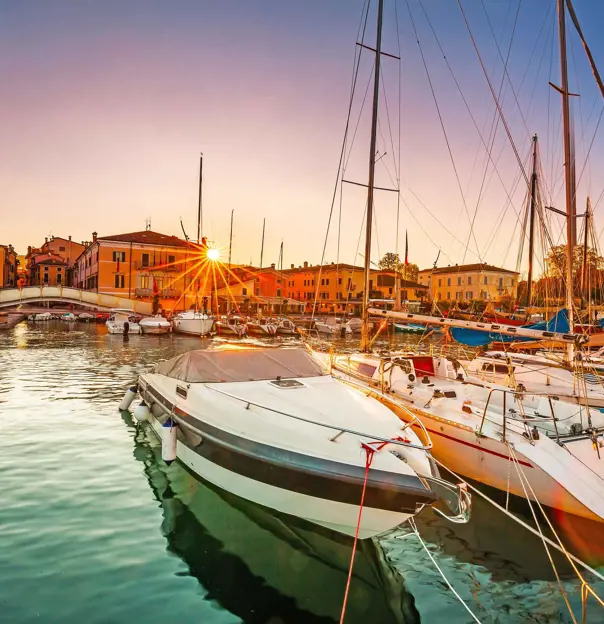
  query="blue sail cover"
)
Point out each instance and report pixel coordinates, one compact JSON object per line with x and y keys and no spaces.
{"x":477,"y":338}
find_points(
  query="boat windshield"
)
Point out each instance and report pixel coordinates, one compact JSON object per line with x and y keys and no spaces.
{"x":207,"y":366}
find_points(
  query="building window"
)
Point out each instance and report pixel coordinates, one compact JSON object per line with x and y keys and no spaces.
{"x":323,"y":282}
{"x":144,"y":281}
{"x":119,"y":280}
{"x":278,"y":292}
{"x":145,"y":260}
{"x":339,"y":281}
{"x":97,"y":256}
{"x":46,"y":269}
{"x":61,"y":248}
{"x":469,"y":280}
{"x":486,"y":280}
{"x":390,"y":291}
{"x":448,"y":281}
{"x":171,"y":259}
{"x":448,"y":295}
{"x":244,"y":291}
{"x":440,"y":282}
{"x":119,"y":255}
{"x":46,"y":278}
{"x":59,"y":269}
{"x":327,"y":282}
{"x":484,"y":294}
{"x":458,"y":295}
{"x":501,"y":283}
{"x":59,"y":278}
{"x":459,"y":281}
{"x":469,"y":295}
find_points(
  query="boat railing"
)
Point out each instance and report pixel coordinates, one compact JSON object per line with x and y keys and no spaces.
{"x":525,"y":420}
{"x":337,"y":428}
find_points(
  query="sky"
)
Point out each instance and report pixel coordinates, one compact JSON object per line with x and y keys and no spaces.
{"x":106,"y":107}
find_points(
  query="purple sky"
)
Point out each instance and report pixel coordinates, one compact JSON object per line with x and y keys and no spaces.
{"x":106,"y":105}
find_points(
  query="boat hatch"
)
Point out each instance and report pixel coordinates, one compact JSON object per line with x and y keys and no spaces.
{"x":502,"y":369}
{"x":182,"y":392}
{"x":287,"y":383}
{"x":424,"y":365}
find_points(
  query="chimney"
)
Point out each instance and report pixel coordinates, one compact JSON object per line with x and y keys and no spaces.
{"x":69,"y":237}
{"x":94,"y":235}
{"x":292,"y":266}
{"x":305,"y":264}
{"x":273,"y":265}
{"x":46,"y":240}
{"x":29,"y":250}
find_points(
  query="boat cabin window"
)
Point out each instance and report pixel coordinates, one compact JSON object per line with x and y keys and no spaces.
{"x":424,"y":365}
{"x":362,"y":368}
{"x":502,"y":369}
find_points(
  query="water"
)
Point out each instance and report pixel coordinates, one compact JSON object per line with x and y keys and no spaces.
{"x":95,"y":528}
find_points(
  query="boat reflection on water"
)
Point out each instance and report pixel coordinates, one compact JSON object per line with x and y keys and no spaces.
{"x":263,"y":566}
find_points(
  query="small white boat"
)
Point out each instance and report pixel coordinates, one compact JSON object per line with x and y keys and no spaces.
{"x":285,"y":327}
{"x":155,"y":325}
{"x":231,"y":326}
{"x":261,"y":327}
{"x":119,"y":323}
{"x":194,"y":323}
{"x":70,"y":317}
{"x":333,"y":326}
{"x":44,"y":316}
{"x":86,"y":317}
{"x":270,"y":426}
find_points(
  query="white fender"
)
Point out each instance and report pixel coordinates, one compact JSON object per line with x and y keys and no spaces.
{"x":142,"y":412}
{"x":128,"y":398}
{"x":168,"y":441}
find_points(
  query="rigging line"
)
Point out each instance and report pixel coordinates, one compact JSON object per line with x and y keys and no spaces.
{"x":387,"y":118}
{"x":442,"y":124}
{"x":505,"y":69}
{"x":497,"y":104}
{"x":496,"y":125}
{"x":356,"y":129}
{"x":590,"y":146}
{"x":398,"y":170}
{"x":480,"y":134}
{"x":357,"y":62}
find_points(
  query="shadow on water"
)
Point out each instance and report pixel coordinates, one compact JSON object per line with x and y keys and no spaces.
{"x":262,"y":566}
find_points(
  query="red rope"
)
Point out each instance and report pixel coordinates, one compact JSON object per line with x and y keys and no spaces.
{"x":370,"y":451}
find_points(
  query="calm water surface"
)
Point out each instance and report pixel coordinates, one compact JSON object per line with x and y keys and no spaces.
{"x":95,"y":528}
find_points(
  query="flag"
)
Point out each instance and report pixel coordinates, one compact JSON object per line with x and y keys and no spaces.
{"x":406,"y":249}
{"x":117,"y":268}
{"x":155,"y":288}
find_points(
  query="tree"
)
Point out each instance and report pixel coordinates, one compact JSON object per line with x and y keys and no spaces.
{"x":392,"y":262}
{"x":555,"y":262}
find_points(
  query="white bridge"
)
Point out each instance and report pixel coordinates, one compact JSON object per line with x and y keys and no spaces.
{"x":14,"y":297}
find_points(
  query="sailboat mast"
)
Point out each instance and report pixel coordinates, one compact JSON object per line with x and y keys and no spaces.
{"x":569,"y":169}
{"x":231,"y":237}
{"x":370,"y":186}
{"x":529,"y":287}
{"x":199,"y":201}
{"x":584,"y":282}
{"x":262,"y":246}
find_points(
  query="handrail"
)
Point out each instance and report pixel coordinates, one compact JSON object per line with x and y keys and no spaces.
{"x":314,"y":422}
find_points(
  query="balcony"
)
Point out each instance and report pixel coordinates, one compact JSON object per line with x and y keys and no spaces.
{"x":164,"y":266}
{"x":164,"y":293}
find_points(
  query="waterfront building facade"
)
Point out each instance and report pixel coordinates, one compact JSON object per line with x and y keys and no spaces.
{"x":467,"y":282}
{"x":8,"y":267}
{"x":146,"y":265}
{"x":47,"y":269}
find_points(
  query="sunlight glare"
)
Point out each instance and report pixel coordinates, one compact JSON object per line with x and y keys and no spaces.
{"x":213,"y":254}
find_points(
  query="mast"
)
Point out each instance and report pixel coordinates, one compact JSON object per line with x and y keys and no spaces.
{"x":372,"y":147}
{"x":529,"y":287}
{"x":569,"y":170}
{"x":262,"y":247}
{"x":231,"y":237}
{"x":584,"y":280}
{"x":199,"y":201}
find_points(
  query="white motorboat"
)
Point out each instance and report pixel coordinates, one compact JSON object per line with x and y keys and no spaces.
{"x":86,"y":317}
{"x":285,"y":327}
{"x":541,"y":374}
{"x":120,"y":322}
{"x":270,"y":426}
{"x":355,"y":324}
{"x":261,"y":327}
{"x":491,"y":434}
{"x":44,"y":316}
{"x":194,"y":323}
{"x":231,"y":326}
{"x":155,"y":325}
{"x":333,"y":326}
{"x":69,"y":317}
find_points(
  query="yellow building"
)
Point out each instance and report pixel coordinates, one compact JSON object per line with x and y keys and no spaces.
{"x":467,"y":282}
{"x":142,"y":265}
{"x":339,"y":287}
{"x":8,"y":267}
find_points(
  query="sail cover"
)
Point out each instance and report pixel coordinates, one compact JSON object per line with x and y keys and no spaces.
{"x":477,"y":338}
{"x":207,"y":366}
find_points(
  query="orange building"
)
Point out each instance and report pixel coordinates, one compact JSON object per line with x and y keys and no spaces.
{"x":47,"y":269}
{"x":55,"y":247}
{"x":8,"y":267}
{"x":144,"y":264}
{"x":339,"y":287}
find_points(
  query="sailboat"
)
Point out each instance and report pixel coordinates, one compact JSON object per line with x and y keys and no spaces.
{"x":499,"y":436}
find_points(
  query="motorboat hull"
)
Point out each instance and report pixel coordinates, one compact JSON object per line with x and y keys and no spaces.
{"x":118,"y":328}
{"x":228,"y":330}
{"x":259,"y":330}
{"x":156,"y":330}
{"x":193,"y":327}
